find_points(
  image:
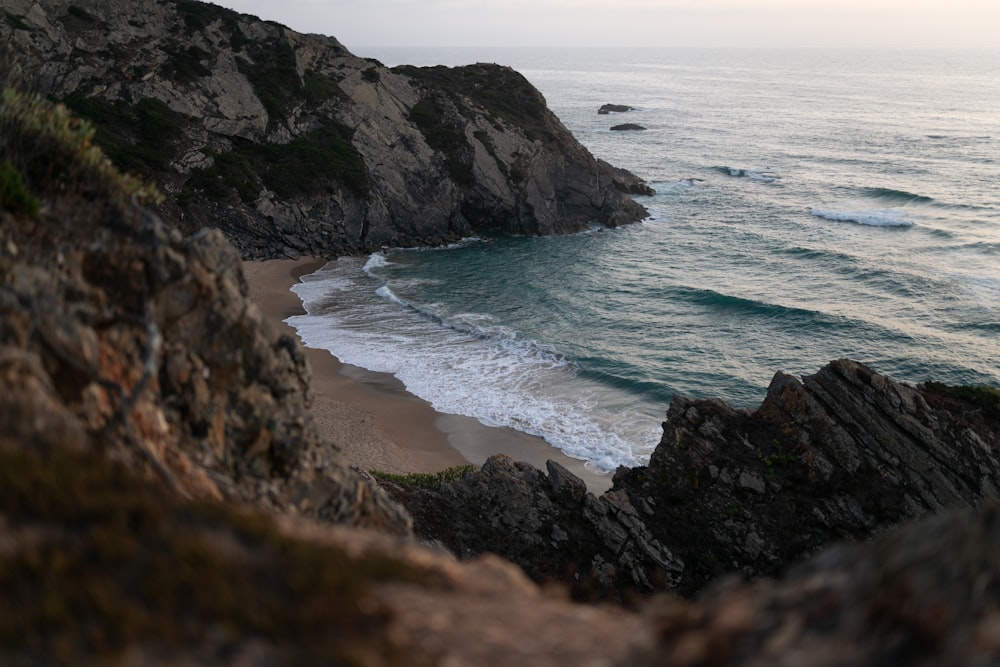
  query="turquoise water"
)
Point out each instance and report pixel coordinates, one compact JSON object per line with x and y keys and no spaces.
{"x":810,"y":205}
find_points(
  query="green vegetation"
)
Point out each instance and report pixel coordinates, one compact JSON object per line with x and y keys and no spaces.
{"x":200,"y":15}
{"x":318,"y":87}
{"x":273,"y":73}
{"x":14,"y":197}
{"x":138,"y":138}
{"x":781,"y":461}
{"x":54,"y":152}
{"x":184,"y":64}
{"x":445,"y":136}
{"x":307,"y":165}
{"x":370,"y":75}
{"x":97,"y":559}
{"x":983,"y":397}
{"x":500,"y":91}
{"x":426,"y":480}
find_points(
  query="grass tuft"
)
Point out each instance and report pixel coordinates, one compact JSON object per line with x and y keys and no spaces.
{"x":426,"y":480}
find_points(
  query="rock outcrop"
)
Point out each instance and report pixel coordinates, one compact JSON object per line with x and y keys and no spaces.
{"x":627,"y":127}
{"x":99,"y":567}
{"x":843,"y":454}
{"x":550,"y":525}
{"x":292,"y":145}
{"x":925,"y":594}
{"x":119,"y":334}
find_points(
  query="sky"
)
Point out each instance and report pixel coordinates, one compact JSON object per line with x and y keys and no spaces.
{"x":609,"y":23}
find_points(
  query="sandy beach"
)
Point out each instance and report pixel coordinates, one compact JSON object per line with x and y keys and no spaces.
{"x":379,"y":425}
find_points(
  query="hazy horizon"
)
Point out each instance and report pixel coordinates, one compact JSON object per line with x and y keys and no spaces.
{"x":640,"y":23}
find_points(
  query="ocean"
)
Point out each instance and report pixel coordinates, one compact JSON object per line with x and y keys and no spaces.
{"x":811,"y":205}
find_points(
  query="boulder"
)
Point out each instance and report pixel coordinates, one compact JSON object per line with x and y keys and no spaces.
{"x":627,"y":127}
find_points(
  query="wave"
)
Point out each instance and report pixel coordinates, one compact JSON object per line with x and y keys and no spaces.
{"x":376,"y":260}
{"x":876,"y":217}
{"x":469,"y":364}
{"x":763,"y":175}
{"x":479,"y":326}
{"x":762,"y":309}
{"x":896,"y":195}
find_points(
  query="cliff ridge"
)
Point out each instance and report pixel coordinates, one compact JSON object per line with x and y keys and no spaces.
{"x":292,"y":145}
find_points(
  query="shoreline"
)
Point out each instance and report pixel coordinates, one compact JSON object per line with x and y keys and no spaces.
{"x":373,"y":419}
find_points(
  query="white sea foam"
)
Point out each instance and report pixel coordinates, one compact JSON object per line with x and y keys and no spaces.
{"x":763,"y":175}
{"x":875,"y":217}
{"x":375,"y":261}
{"x":468,"y":364}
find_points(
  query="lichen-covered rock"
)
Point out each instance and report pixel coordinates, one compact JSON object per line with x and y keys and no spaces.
{"x":292,"y":145}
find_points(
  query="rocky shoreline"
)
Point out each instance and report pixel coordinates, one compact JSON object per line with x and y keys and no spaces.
{"x":166,"y":496}
{"x":840,"y":455}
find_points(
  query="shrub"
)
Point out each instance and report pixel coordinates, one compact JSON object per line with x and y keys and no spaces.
{"x":14,"y":197}
{"x":983,"y":397}
{"x":54,"y":151}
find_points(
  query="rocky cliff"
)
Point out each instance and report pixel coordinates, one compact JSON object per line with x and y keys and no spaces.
{"x":119,"y":334}
{"x":141,"y":389}
{"x":839,"y":455}
{"x":291,"y":145}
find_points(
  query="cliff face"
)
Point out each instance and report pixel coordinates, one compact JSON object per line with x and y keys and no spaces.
{"x":290,"y":144}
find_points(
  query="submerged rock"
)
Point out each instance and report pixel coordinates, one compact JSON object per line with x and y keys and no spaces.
{"x":627,"y":127}
{"x":614,"y":108}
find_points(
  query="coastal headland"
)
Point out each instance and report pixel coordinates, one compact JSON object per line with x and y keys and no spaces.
{"x":181,"y":482}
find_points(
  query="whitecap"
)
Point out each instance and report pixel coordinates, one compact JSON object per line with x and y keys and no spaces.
{"x":377,"y":260}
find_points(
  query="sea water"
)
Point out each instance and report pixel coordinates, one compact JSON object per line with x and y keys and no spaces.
{"x":811,"y":205}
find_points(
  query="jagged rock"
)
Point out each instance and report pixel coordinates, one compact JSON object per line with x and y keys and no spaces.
{"x":549,"y":525}
{"x":627,"y":127}
{"x":843,"y":454}
{"x":614,"y":108}
{"x":119,"y":334}
{"x":628,"y":182}
{"x":99,"y":567}
{"x":219,"y":108}
{"x":922,"y":595}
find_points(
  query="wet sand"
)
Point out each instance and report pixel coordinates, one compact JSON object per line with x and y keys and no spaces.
{"x":371,"y":417}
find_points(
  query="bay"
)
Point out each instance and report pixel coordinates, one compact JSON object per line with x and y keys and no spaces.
{"x":811,"y":205}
